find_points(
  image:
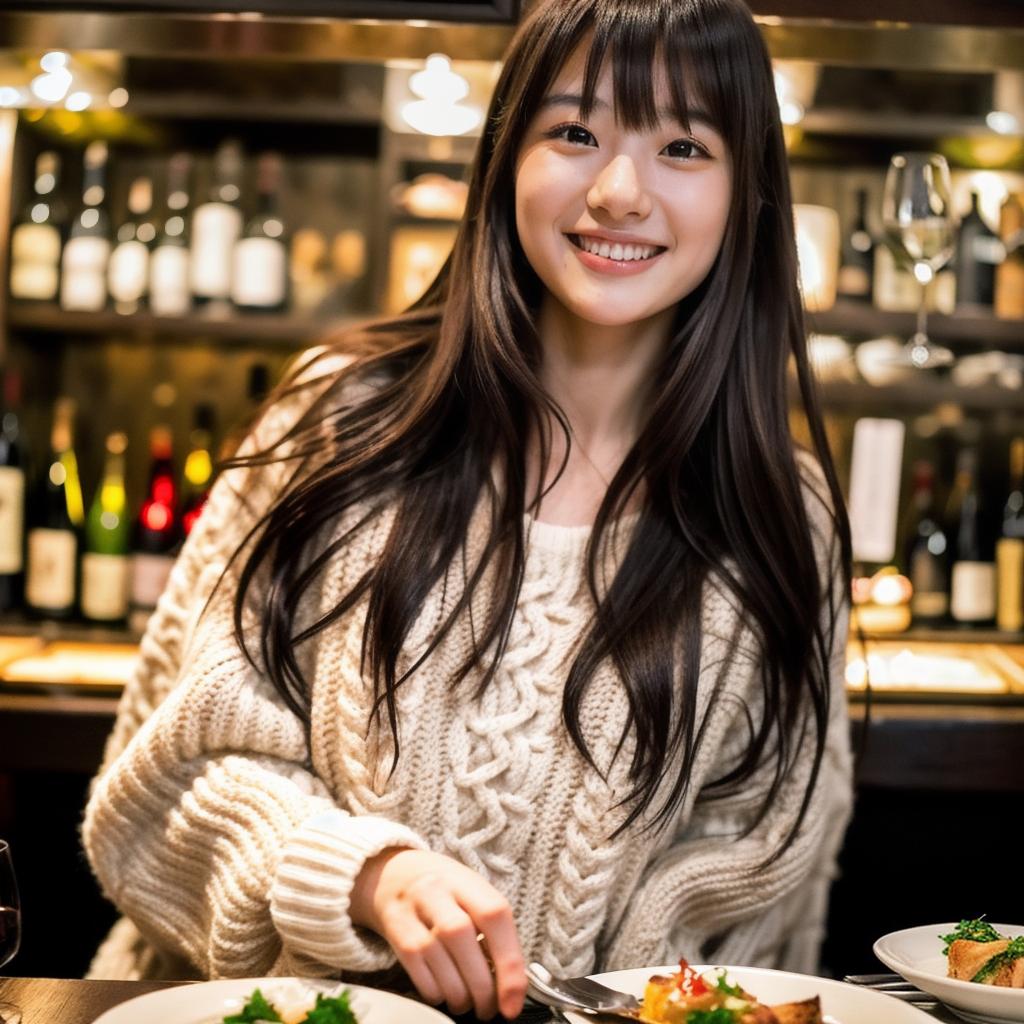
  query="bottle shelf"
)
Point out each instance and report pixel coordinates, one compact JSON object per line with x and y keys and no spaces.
{"x":258,"y":329}
{"x":948,"y":635}
{"x":915,"y":394}
{"x":863,"y":320}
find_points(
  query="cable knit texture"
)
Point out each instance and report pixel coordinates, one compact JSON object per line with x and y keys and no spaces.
{"x":231,"y":845}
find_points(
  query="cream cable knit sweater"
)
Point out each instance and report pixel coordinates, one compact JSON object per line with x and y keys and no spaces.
{"x":232,"y":846}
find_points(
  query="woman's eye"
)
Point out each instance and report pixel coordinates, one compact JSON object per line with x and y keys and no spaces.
{"x":575,"y":134}
{"x":684,"y":149}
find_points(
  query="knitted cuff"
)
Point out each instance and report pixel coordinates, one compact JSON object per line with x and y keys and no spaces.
{"x":309,"y":899}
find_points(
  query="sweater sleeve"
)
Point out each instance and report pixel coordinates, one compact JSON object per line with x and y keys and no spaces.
{"x":206,"y":826}
{"x":718,"y":896}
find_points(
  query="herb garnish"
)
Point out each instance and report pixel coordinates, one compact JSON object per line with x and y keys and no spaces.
{"x":719,"y":1016}
{"x":976,"y":930}
{"x":328,"y":1010}
{"x":724,"y":987}
{"x":256,"y":1009}
{"x":1013,"y":951}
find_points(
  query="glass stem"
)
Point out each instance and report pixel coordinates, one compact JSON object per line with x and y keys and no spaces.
{"x":921,"y":337}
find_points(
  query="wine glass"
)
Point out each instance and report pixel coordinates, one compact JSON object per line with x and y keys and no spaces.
{"x":920,"y":226}
{"x":10,"y":925}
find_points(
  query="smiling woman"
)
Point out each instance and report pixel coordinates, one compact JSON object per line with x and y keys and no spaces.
{"x":519,"y":616}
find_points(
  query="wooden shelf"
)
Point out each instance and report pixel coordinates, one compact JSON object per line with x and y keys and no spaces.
{"x":241,"y":328}
{"x":915,"y":394}
{"x":862,"y":320}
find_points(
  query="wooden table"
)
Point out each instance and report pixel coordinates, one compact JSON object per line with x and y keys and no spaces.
{"x":60,"y":1001}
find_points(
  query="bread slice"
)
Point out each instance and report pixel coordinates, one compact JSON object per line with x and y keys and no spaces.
{"x":808,"y":1011}
{"x":966,"y":958}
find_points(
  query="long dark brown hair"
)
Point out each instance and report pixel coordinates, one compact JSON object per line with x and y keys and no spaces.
{"x":456,"y":390}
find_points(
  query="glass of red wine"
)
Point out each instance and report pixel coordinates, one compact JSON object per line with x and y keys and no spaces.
{"x":10,"y":925}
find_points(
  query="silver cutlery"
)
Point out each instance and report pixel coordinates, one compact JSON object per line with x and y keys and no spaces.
{"x":893,"y":985}
{"x":581,"y":995}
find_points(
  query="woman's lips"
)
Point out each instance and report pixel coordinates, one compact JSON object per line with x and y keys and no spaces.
{"x":606,"y":265}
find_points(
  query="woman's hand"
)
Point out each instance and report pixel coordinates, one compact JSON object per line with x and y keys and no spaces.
{"x":430,"y":909}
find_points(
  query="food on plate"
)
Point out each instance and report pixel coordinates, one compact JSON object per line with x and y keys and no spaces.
{"x":689,"y":997}
{"x":975,"y":951}
{"x":291,"y":1002}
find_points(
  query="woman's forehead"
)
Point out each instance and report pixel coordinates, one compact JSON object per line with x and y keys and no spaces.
{"x":567,"y":86}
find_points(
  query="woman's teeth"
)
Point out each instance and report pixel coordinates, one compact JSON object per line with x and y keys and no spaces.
{"x":616,"y":251}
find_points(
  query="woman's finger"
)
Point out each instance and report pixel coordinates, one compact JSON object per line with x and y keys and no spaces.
{"x":443,"y":968}
{"x":411,"y":940}
{"x":457,"y":932}
{"x":493,"y":917}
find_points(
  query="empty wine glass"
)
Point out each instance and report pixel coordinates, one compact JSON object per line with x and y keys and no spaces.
{"x":920,"y":226}
{"x":10,"y":925}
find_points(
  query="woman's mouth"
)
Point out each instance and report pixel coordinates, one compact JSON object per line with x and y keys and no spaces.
{"x":615,"y":250}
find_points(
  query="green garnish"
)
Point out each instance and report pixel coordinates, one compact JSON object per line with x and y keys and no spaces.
{"x":331,"y":1010}
{"x":727,"y":989}
{"x":1013,"y":951}
{"x":976,"y":930}
{"x":719,"y":1016}
{"x":328,"y":1010}
{"x":256,"y":1009}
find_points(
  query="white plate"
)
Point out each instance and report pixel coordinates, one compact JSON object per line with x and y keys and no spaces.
{"x":916,"y":953}
{"x":213,"y":1000}
{"x":841,"y":1003}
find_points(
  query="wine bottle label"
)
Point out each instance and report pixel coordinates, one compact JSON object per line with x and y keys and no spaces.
{"x":35,"y":243}
{"x":1010,"y":586}
{"x":51,"y":569}
{"x":12,"y":518}
{"x":83,"y":284}
{"x":149,"y":577}
{"x":875,"y":469}
{"x":34,"y":281}
{"x":168,"y":281}
{"x":215,"y":229}
{"x":259,"y":273}
{"x":104,"y":586}
{"x":973,"y":597}
{"x":35,"y":259}
{"x":986,"y":249}
{"x":853,"y":280}
{"x":128,"y":272}
{"x":930,"y":599}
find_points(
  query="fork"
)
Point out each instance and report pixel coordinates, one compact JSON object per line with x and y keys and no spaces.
{"x":580,"y":994}
{"x":893,"y":985}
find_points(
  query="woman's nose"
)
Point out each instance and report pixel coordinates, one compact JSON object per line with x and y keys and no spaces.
{"x":619,"y":191}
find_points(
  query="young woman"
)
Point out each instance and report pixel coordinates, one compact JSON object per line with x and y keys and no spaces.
{"x":526,"y":618}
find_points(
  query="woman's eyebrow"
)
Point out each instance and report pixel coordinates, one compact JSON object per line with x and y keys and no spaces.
{"x":556,"y":99}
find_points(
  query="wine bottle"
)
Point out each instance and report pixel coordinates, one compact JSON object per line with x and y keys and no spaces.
{"x":169,"y":293}
{"x":1009,"y":296}
{"x":216,"y":226}
{"x":36,"y":240}
{"x":83,"y":284}
{"x":858,"y":255}
{"x":972,"y":599}
{"x":53,"y":541}
{"x":128,"y":273}
{"x":978,"y":252}
{"x":260,"y":275}
{"x":107,"y":533}
{"x":1010,"y":548}
{"x":156,"y":531}
{"x":925,"y":551}
{"x":198,"y":468}
{"x":12,"y":497}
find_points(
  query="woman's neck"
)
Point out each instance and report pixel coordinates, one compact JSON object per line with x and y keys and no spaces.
{"x":600,"y":377}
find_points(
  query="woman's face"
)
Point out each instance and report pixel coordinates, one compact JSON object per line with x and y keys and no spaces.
{"x":619,"y":225}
